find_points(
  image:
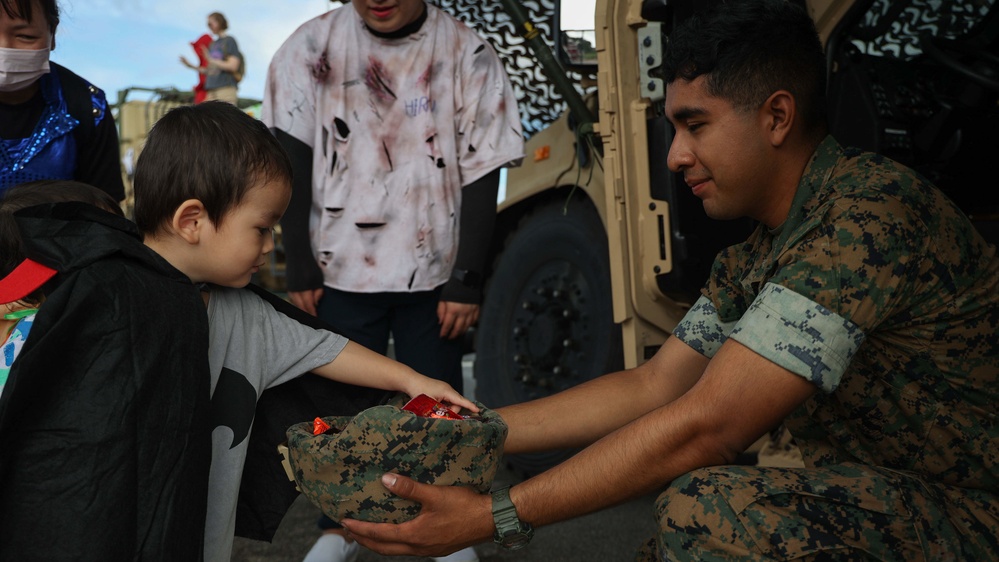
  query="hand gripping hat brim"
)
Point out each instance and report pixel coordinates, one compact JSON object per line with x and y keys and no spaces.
{"x":340,"y":471}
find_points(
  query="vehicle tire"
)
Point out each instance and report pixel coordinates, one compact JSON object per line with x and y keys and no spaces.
{"x":547,"y":322}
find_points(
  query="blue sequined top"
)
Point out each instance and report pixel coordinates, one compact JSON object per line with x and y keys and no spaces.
{"x":50,"y":152}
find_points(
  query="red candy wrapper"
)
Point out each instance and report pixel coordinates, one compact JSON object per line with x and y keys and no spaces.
{"x":427,"y":407}
{"x":319,"y":426}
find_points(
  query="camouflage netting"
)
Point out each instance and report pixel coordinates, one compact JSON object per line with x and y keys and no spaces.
{"x":340,"y":471}
{"x":540,"y":103}
{"x":892,"y":28}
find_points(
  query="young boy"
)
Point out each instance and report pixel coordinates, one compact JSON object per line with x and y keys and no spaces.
{"x":210,"y":185}
{"x":106,"y":411}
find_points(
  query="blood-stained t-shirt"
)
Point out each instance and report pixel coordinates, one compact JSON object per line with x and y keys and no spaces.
{"x":878,"y":290}
{"x":397,"y":126}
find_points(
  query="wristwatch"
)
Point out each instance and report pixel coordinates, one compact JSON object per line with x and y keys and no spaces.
{"x":511,"y":532}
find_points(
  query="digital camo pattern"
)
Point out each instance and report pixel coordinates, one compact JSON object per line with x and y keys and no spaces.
{"x":540,"y":103}
{"x":796,"y":333}
{"x":874,"y":243}
{"x":843,"y":512}
{"x":701,"y":328}
{"x":340,"y":471}
{"x":892,"y":28}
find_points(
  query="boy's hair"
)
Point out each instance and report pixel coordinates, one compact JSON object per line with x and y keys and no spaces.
{"x":748,"y":50}
{"x":212,"y":152}
{"x":39,"y":193}
{"x":23,"y":9}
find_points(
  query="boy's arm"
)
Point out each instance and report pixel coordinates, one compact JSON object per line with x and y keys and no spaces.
{"x":360,"y":366}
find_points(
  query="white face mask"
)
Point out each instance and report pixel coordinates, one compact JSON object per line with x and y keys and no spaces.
{"x":19,"y":68}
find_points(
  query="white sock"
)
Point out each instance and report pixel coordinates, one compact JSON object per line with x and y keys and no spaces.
{"x":332,"y":547}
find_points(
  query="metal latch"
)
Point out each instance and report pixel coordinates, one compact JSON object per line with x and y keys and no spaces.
{"x":650,"y":56}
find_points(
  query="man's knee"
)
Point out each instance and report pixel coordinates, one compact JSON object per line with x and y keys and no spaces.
{"x":696,"y":518}
{"x":690,"y":498}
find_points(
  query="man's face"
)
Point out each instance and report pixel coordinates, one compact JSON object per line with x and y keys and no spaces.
{"x":237,"y":249}
{"x":387,"y":16}
{"x":721,"y":151}
{"x":19,"y":33}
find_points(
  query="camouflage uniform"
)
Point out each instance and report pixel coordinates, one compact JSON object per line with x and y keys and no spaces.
{"x":879,"y":291}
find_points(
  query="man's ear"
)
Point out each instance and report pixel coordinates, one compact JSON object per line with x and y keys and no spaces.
{"x":189,"y":220}
{"x":779,"y":113}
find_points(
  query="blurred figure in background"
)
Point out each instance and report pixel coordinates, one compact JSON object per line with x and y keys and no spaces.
{"x":220,"y":63}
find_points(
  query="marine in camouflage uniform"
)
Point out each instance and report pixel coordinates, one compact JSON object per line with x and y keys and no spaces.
{"x":879,"y":291}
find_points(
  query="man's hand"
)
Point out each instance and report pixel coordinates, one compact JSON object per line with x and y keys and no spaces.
{"x":306,"y":300}
{"x":456,"y":318}
{"x":452,"y":518}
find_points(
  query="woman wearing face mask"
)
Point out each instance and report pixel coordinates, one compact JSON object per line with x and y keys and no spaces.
{"x":53,"y":123}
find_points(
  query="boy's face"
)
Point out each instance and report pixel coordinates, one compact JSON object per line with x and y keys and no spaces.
{"x":233,"y":252}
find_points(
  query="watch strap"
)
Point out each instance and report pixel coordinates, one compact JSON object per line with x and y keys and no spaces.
{"x":511,"y":532}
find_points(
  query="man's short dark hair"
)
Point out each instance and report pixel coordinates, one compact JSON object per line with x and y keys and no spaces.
{"x":750,"y":49}
{"x":212,"y":152}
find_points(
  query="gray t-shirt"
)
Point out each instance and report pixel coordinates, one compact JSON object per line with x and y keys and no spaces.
{"x":252,"y":347}
{"x":219,"y":50}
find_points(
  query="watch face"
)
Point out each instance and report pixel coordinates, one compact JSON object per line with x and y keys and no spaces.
{"x":515,"y":541}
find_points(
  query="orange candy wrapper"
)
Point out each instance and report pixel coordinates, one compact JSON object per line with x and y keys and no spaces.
{"x":427,"y":407}
{"x":319,"y":426}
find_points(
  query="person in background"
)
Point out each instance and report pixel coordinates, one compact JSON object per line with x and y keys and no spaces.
{"x":397,"y":119}
{"x":221,"y":63}
{"x":53,"y":123}
{"x":861,"y":313}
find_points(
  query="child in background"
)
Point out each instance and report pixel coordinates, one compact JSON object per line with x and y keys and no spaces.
{"x":20,"y":292}
{"x":210,"y":185}
{"x":104,"y":419}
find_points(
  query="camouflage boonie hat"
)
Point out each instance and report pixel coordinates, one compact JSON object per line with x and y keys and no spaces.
{"x":340,"y":471}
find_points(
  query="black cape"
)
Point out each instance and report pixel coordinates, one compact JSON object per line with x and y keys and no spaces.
{"x":104,"y":439}
{"x":81,"y":241}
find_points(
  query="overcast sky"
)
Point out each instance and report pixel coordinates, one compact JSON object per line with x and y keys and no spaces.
{"x":118,"y":44}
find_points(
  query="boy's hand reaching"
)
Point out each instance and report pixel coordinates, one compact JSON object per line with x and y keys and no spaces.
{"x":440,"y":391}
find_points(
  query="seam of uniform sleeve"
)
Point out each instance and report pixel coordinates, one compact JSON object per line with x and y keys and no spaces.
{"x":800,"y":335}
